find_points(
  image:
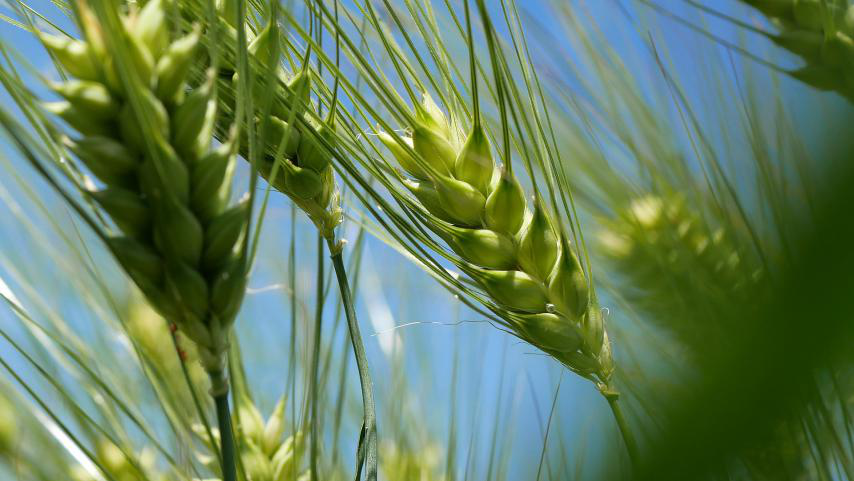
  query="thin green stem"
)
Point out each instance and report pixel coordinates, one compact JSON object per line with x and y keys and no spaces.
{"x":367,"y":450}
{"x":625,"y":432}
{"x":315,"y":359}
{"x":226,"y":435}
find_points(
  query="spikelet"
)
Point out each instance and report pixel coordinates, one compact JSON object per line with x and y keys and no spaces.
{"x":516,"y":256}
{"x":163,"y":186}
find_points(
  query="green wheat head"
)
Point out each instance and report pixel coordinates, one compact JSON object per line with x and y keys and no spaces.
{"x":516,"y":254}
{"x":148,"y":140}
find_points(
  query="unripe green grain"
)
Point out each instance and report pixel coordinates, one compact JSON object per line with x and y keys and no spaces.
{"x":431,"y":116}
{"x":136,"y":257}
{"x":514,"y":290}
{"x":153,"y":112}
{"x":327,"y":190}
{"x":505,"y":206}
{"x":538,"y":244}
{"x":177,"y":232}
{"x":211,"y":182}
{"x":188,"y":288}
{"x":433,"y":148}
{"x":273,"y":429}
{"x":460,"y":200}
{"x":149,"y":26}
{"x":228,"y":290}
{"x":79,"y":120}
{"x":425,"y":192}
{"x":261,"y":47}
{"x":167,"y":175}
{"x":482,"y":247}
{"x":109,"y":160}
{"x":567,"y":285}
{"x":311,"y":153}
{"x":193,"y":120}
{"x":479,"y":212}
{"x":549,"y":332}
{"x":90,"y":98}
{"x":141,"y":63}
{"x":126,"y":208}
{"x":222,"y":236}
{"x":75,"y":56}
{"x":406,"y":161}
{"x":174,"y":65}
{"x":593,"y":330}
{"x":281,"y":131}
{"x":474,"y":163}
{"x":302,"y":183}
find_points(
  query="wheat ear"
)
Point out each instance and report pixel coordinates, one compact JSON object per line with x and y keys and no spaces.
{"x":148,"y":141}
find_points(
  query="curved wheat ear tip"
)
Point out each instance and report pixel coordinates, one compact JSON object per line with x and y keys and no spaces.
{"x":822,"y":33}
{"x":517,"y":256}
{"x":297,"y":146}
{"x":162,"y":184}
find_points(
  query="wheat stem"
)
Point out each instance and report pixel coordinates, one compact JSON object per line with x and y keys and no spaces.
{"x":625,"y":432}
{"x":367,"y":451}
{"x":226,"y":436}
{"x":315,"y":360}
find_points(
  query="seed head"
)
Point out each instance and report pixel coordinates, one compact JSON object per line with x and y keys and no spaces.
{"x":165,"y":190}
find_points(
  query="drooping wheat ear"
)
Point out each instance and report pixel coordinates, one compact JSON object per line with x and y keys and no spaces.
{"x":148,"y":141}
{"x":516,"y":255}
{"x":822,"y":33}
{"x":294,"y":144}
{"x":264,"y":451}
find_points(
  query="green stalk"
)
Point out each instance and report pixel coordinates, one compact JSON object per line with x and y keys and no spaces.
{"x":625,"y":432}
{"x":219,"y":390}
{"x":367,"y":451}
{"x":315,"y":359}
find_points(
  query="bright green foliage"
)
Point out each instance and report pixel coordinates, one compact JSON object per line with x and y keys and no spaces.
{"x":164,"y":187}
{"x":518,"y":257}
